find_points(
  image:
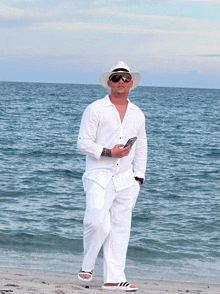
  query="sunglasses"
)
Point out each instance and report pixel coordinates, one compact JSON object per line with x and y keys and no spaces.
{"x":116,"y":78}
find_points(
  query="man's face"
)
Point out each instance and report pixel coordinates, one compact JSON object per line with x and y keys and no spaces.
{"x":118,"y":85}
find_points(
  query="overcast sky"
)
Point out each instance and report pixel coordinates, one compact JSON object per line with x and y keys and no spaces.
{"x":171,"y":43}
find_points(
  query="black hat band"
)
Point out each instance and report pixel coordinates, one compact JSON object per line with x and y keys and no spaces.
{"x":120,"y":69}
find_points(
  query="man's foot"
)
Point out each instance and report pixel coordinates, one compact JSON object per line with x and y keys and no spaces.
{"x":124,"y":286}
{"x":85,"y":276}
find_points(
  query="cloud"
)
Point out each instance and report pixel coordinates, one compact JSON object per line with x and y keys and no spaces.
{"x":123,"y":30}
{"x":209,"y":55}
{"x":118,"y":21}
{"x":11,"y":14}
{"x":68,"y":33}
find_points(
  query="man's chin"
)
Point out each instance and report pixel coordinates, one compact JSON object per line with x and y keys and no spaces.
{"x":121,"y":90}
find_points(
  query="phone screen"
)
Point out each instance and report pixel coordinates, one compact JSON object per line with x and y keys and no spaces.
{"x":130,"y":142}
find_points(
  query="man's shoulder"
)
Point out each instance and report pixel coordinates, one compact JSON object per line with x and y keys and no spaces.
{"x":98,"y":103}
{"x":135,"y":107}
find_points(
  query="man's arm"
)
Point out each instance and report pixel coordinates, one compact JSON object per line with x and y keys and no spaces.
{"x":140,"y":158}
{"x":116,"y":151}
{"x":87,"y":134}
{"x":106,"y":152}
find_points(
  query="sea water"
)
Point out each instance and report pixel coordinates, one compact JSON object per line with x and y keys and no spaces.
{"x":175,"y":226}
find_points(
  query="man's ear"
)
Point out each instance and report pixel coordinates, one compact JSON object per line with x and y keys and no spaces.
{"x":108,"y":83}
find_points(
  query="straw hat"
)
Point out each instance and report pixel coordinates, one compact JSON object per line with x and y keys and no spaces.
{"x":120,"y":67}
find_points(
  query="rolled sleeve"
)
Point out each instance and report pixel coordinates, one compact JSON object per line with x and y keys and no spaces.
{"x":140,"y":158}
{"x":87,"y":134}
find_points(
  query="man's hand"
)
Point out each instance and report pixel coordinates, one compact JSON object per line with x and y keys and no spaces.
{"x":118,"y":152}
{"x":138,"y":182}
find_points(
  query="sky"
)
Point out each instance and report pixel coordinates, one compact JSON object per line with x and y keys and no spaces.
{"x":171,"y":43}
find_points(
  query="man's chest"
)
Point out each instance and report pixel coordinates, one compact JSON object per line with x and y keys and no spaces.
{"x":121,"y":111}
{"x":118,"y":121}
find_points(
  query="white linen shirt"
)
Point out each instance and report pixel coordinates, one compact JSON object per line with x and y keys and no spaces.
{"x":101,"y":127}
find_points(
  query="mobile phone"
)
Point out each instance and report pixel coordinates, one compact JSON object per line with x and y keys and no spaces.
{"x":130,"y":142}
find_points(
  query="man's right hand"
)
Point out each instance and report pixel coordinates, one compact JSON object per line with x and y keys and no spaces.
{"x":119,"y":152}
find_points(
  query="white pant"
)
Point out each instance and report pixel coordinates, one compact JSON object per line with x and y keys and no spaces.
{"x":108,"y":222}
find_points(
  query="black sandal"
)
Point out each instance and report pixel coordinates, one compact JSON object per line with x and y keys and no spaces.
{"x":124,"y":286}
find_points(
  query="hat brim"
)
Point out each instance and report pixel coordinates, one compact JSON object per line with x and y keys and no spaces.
{"x":136,"y":78}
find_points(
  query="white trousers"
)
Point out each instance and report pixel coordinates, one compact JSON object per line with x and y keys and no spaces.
{"x":108,"y":222}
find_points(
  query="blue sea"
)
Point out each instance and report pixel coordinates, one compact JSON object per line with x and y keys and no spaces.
{"x":175,"y":227}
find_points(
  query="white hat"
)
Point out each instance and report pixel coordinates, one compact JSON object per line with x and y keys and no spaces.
{"x":120,"y":67}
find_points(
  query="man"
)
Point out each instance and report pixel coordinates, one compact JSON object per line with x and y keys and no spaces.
{"x":113,"y":174}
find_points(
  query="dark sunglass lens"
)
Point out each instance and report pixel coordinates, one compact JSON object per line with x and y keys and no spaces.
{"x":126,"y":79}
{"x":116,"y":78}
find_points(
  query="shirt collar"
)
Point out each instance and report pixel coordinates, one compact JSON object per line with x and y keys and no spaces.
{"x":107,"y":102}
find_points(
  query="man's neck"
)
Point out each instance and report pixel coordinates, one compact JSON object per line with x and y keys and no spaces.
{"x":119,"y":99}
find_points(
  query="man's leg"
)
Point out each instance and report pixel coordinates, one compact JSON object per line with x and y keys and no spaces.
{"x":97,"y":222}
{"x":116,"y":244}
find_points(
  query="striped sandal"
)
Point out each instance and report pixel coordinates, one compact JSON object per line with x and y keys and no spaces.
{"x":124,"y":286}
{"x":81,"y":272}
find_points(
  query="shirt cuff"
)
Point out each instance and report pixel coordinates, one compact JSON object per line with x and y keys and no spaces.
{"x":139,"y":175}
{"x":98,"y":152}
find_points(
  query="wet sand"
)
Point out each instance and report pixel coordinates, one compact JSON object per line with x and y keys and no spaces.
{"x":20,"y":281}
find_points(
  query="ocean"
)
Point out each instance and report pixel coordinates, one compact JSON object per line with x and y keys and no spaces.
{"x":175,"y":226}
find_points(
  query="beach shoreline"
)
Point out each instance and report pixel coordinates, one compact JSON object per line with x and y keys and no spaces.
{"x":21,"y":281}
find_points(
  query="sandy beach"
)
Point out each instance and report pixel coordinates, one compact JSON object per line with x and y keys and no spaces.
{"x":20,"y":281}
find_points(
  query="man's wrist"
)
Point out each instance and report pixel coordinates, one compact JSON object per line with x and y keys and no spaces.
{"x":139,"y":179}
{"x":106,"y":152}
